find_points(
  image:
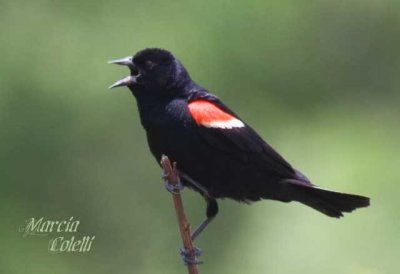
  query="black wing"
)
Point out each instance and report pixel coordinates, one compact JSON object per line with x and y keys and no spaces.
{"x":242,"y":143}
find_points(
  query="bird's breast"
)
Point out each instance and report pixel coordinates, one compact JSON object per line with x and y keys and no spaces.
{"x":169,"y":128}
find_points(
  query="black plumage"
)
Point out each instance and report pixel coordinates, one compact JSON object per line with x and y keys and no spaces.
{"x":219,"y":159}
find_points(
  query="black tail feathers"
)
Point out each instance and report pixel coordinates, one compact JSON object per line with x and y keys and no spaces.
{"x":328,"y":202}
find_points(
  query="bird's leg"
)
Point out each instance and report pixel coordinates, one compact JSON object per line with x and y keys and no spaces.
{"x":212,"y":210}
{"x":201,"y":227}
{"x":195,"y":184}
{"x":170,"y":187}
{"x":188,"y":258}
{"x":212,"y":206}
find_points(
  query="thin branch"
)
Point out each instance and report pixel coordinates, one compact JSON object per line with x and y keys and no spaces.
{"x":184,"y":227}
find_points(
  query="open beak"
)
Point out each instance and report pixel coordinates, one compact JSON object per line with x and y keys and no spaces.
{"x":123,"y":82}
{"x":127,"y":80}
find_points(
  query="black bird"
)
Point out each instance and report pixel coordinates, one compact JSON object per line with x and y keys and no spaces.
{"x":218,"y":154}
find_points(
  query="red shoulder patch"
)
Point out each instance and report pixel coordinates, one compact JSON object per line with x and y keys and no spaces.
{"x":207,"y":114}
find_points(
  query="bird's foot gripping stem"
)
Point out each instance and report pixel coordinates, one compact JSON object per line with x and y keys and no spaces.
{"x":188,"y":259}
{"x":173,"y":188}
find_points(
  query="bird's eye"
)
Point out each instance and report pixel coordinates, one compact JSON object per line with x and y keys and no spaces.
{"x":150,"y":64}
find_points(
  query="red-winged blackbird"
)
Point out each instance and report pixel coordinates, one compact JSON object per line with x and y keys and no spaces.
{"x":218,"y":154}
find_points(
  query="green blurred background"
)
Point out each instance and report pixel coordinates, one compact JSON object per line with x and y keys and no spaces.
{"x":318,"y":79}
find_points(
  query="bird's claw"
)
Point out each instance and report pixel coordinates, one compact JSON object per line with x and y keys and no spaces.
{"x":188,"y":259}
{"x":170,"y":187}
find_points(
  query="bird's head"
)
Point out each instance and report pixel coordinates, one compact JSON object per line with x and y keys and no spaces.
{"x":153,"y":72}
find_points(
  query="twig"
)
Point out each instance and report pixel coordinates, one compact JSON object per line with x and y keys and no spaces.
{"x":184,"y":227}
